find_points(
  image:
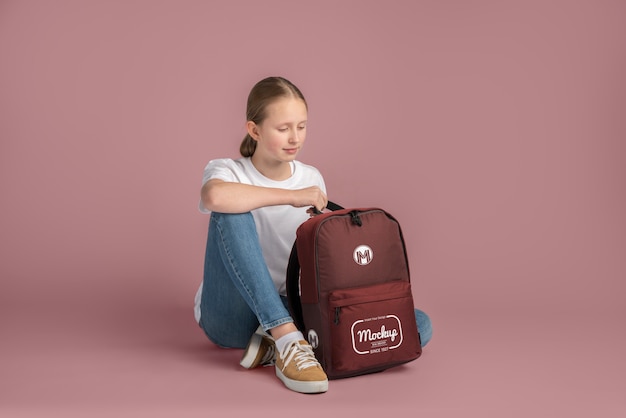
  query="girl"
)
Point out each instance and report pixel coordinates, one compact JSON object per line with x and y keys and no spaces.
{"x":256,"y":204}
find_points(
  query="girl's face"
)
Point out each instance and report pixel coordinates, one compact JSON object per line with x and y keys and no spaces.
{"x":281,"y":135}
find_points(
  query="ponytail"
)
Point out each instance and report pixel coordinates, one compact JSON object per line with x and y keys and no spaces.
{"x":248,"y":146}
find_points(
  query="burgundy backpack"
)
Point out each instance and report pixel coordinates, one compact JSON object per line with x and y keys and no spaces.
{"x":353,"y":299}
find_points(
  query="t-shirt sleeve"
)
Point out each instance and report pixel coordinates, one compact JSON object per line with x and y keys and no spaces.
{"x":221,"y":169}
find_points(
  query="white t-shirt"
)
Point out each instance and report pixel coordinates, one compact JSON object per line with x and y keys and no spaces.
{"x":276,"y":225}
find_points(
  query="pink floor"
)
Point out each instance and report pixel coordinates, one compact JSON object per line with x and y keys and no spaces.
{"x":494,"y":131}
{"x":153,"y":361}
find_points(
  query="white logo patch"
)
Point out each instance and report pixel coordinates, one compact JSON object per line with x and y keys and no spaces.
{"x":313,"y":338}
{"x":363,"y":255}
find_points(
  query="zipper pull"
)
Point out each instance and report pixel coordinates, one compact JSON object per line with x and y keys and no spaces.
{"x":356,"y":220}
{"x":337,"y":311}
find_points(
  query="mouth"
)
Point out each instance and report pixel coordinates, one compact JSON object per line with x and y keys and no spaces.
{"x":290,"y":150}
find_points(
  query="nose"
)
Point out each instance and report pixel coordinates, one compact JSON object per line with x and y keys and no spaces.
{"x":294,"y":137}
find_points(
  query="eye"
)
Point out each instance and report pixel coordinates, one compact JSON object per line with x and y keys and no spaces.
{"x":283,"y":129}
{"x":301,"y":127}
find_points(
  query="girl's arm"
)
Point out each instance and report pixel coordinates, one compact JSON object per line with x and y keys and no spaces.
{"x":226,"y":197}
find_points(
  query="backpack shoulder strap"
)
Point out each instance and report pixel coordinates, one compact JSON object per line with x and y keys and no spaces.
{"x":293,"y":288}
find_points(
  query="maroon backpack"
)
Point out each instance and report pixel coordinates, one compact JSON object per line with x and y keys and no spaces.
{"x":353,"y":299}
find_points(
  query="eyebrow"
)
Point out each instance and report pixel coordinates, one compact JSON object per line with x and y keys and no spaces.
{"x":298,"y":123}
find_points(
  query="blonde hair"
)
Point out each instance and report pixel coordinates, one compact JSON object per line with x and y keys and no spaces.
{"x":262,"y":94}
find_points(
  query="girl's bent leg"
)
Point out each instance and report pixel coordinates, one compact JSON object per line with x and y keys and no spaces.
{"x":238,"y":292}
{"x":424,"y":326}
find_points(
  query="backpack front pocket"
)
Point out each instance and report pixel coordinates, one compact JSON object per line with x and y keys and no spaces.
{"x":373,"y":327}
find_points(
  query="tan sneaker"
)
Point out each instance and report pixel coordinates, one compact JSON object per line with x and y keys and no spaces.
{"x":260,"y":351}
{"x":299,"y":370}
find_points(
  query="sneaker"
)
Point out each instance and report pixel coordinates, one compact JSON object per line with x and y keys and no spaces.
{"x":260,"y":350}
{"x":299,"y":370}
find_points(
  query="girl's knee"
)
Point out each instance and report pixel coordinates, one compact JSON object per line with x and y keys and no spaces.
{"x":227,"y":337}
{"x":234,"y":218}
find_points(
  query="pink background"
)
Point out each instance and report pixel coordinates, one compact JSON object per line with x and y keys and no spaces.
{"x":493,"y":130}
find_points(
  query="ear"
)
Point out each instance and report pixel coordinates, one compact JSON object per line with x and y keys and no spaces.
{"x":253,"y":130}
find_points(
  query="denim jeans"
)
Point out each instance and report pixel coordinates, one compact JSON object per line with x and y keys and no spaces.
{"x":238,"y":293}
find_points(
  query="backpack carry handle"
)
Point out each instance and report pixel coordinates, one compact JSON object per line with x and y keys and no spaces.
{"x":332,"y":206}
{"x":293,"y":277}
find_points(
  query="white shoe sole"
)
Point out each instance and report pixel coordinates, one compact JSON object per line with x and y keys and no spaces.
{"x":251,"y":351}
{"x":303,"y":387}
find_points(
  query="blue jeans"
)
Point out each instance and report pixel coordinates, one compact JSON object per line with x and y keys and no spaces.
{"x":238,"y":293}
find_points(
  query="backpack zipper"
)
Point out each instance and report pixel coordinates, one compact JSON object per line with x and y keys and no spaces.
{"x":337,"y":312}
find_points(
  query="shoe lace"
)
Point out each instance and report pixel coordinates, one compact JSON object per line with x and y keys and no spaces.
{"x":302,"y":355}
{"x":269,"y":357}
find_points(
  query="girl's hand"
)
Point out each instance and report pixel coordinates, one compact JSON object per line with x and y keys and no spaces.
{"x":311,"y":196}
